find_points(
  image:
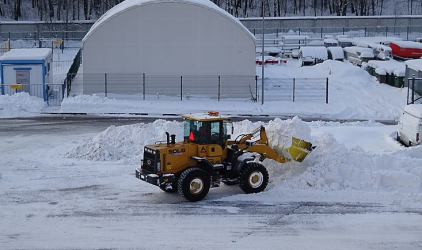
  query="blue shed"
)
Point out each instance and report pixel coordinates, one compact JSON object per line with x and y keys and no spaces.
{"x":26,"y":70}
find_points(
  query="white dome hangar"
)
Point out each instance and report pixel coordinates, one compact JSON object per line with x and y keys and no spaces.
{"x":169,"y":38}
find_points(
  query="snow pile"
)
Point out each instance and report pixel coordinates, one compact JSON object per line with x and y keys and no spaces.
{"x":85,"y":102}
{"x":125,"y":142}
{"x":365,"y":98}
{"x":279,"y":132}
{"x":20,"y":104}
{"x":331,"y":166}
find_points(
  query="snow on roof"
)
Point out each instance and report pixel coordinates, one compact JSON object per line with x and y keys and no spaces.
{"x":363,"y":52}
{"x":330,"y":40}
{"x":344,"y":39}
{"x":414,"y":64}
{"x":295,"y":37}
{"x":319,"y":52}
{"x":336,"y":52}
{"x":268,"y":49}
{"x":315,"y":43}
{"x":408,"y":44}
{"x":209,"y":116}
{"x":341,"y":36}
{"x":414,"y":109}
{"x":26,"y":54}
{"x":128,"y":4}
{"x":390,"y":66}
{"x":378,"y":39}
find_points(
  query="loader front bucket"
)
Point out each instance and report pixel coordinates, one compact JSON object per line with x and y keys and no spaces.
{"x":299,"y":149}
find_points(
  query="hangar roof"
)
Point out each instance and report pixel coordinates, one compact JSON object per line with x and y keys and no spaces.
{"x":128,"y":4}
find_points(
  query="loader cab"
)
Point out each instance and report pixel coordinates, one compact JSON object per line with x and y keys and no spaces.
{"x":208,"y":128}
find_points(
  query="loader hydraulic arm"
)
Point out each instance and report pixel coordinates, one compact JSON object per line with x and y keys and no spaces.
{"x":258,"y":135}
{"x":257,"y":141}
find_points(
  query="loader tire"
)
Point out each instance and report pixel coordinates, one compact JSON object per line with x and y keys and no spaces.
{"x":194,"y":184}
{"x":253,"y":178}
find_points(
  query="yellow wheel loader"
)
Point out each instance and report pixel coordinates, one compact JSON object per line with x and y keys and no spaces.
{"x":207,"y":156}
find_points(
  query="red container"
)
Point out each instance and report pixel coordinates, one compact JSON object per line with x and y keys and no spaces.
{"x":406,"y":49}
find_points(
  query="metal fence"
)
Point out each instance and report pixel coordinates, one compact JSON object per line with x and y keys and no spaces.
{"x":405,"y":32}
{"x":52,"y":94}
{"x":183,"y":87}
{"x":296,"y":89}
{"x":59,"y":66}
{"x":40,"y":30}
{"x":245,"y":88}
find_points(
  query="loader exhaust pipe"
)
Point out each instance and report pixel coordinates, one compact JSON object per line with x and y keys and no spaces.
{"x":173,"y":139}
{"x":168,"y":138}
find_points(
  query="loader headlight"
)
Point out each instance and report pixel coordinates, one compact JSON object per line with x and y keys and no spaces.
{"x":158,"y":166}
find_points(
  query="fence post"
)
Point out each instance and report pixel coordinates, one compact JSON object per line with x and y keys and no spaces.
{"x":386,"y":31}
{"x":181,"y":88}
{"x":413,"y":89}
{"x":321,"y":32}
{"x":326,"y":91}
{"x":68,"y":84}
{"x":105,"y":81}
{"x":219,"y":87}
{"x":343,"y":30}
{"x":256,"y":88}
{"x":407,"y":33}
{"x":365,"y":32}
{"x":143,"y":85}
{"x":299,"y":31}
{"x":294,"y":87}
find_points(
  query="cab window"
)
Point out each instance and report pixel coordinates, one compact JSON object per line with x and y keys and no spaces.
{"x":195,"y":131}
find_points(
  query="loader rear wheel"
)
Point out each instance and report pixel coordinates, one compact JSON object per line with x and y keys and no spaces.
{"x":194,"y":184}
{"x":254,"y":178}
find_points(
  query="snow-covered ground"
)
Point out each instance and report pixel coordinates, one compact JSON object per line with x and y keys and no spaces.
{"x":75,"y":188}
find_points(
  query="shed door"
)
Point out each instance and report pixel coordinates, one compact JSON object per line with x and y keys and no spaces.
{"x":24,"y":77}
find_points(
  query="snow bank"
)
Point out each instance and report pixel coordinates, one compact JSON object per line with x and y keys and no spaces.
{"x":330,"y":167}
{"x":125,"y":142}
{"x":20,"y":104}
{"x":279,"y":132}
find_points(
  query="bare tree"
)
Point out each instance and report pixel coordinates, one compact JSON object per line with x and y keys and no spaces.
{"x":17,"y":10}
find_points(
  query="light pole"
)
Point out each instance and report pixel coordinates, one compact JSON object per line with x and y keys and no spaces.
{"x":262,"y":52}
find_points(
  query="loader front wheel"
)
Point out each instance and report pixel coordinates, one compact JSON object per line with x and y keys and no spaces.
{"x":254,"y":178}
{"x":194,"y":184}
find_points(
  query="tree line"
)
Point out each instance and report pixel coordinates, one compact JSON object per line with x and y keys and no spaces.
{"x":71,"y":10}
